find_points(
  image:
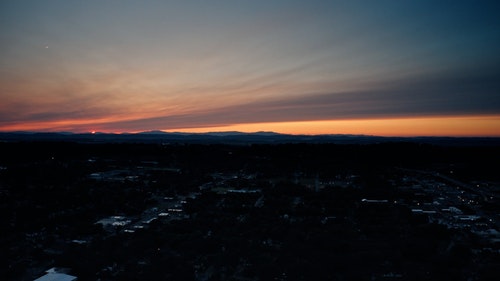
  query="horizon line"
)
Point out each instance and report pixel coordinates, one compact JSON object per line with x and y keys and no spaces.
{"x":229,"y":132}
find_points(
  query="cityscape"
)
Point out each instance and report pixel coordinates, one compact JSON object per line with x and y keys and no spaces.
{"x":285,"y":211}
{"x":249,"y":140}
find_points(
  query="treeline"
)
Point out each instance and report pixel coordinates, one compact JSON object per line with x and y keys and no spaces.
{"x":267,"y":158}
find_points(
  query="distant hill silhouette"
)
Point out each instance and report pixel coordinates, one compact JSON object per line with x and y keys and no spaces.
{"x":233,"y":137}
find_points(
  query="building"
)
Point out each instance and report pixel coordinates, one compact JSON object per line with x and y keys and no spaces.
{"x":55,"y":274}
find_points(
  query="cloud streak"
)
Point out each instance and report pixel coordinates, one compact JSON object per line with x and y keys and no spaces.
{"x":105,"y":103}
{"x":448,"y":96}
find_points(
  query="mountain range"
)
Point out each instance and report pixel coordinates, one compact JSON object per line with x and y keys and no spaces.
{"x":239,"y":138}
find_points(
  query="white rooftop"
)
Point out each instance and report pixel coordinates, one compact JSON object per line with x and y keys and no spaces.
{"x":54,"y":276}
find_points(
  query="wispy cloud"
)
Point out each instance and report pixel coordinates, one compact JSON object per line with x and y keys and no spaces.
{"x":448,"y":96}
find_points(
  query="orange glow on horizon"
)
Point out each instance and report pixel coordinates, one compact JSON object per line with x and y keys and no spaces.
{"x":464,"y":126}
{"x":454,"y":126}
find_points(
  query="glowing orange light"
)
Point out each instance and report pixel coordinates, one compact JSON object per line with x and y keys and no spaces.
{"x":465,"y":126}
{"x":468,"y":126}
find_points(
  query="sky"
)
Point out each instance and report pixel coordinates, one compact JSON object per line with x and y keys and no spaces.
{"x":390,"y":68}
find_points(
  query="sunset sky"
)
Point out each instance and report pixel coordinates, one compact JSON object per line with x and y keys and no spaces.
{"x":408,"y":68}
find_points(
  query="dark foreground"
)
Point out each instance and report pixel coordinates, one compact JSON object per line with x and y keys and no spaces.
{"x":389,"y":211}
